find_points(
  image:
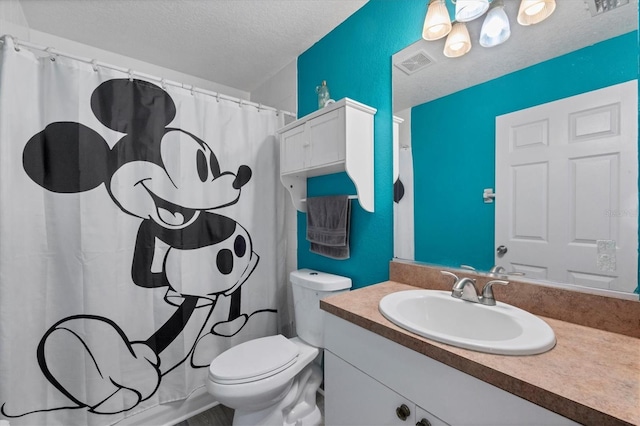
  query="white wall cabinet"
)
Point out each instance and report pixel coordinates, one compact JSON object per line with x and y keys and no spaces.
{"x":336,"y":138}
{"x":363,"y":369}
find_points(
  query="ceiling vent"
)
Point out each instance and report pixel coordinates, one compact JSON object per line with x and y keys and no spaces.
{"x":413,"y":63}
{"x":597,"y":7}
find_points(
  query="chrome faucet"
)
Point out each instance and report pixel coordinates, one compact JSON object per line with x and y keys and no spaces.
{"x":465,"y":289}
{"x":499,"y":271}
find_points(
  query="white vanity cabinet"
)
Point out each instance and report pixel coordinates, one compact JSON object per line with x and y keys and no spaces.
{"x":354,"y":398}
{"x":336,"y":138}
{"x":367,"y":377}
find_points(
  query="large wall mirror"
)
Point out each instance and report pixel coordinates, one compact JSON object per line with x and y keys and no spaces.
{"x":446,"y":111}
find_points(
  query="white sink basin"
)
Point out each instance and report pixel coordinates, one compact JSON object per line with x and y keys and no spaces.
{"x":501,"y":329}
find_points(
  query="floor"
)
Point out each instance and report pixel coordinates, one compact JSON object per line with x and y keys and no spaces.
{"x":223,"y":416}
{"x":216,"y":416}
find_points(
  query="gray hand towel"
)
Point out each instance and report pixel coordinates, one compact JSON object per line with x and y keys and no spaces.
{"x":328,"y":222}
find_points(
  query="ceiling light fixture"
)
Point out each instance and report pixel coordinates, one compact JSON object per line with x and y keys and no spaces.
{"x":496,"y":28}
{"x":535,"y":11}
{"x":437,"y":23}
{"x":468,"y":10}
{"x":458,"y":41}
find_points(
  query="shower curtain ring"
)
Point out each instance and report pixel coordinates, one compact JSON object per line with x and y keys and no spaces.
{"x":94,"y":65}
{"x":130,"y":72}
{"x":218,"y":96}
{"x":163,"y":83}
{"x":52,"y":55}
{"x":240,"y":103}
{"x":16,"y":46}
{"x":259,"y":107}
{"x":192,"y":90}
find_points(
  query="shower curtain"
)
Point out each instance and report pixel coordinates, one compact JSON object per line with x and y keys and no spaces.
{"x":140,"y":227}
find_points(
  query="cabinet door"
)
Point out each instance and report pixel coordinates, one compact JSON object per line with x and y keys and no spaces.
{"x":353,"y":398}
{"x":327,"y":137}
{"x":422,"y":414}
{"x":294,"y":148}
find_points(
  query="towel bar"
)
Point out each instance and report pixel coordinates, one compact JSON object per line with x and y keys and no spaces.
{"x":351,"y":197}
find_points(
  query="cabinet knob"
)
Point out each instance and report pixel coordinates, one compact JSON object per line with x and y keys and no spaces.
{"x":403,"y":412}
{"x":423,"y":422}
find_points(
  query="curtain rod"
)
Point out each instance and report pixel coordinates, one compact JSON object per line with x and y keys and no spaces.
{"x":17,"y":44}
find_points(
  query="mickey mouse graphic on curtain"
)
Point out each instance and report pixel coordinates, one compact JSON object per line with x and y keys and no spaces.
{"x":172,"y":180}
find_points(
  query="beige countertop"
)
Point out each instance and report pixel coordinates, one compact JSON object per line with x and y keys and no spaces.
{"x":591,"y":376}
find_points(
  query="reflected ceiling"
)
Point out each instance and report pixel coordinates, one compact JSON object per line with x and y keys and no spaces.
{"x":571,"y":27}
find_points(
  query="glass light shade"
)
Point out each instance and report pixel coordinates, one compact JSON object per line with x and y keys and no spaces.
{"x":437,"y":23}
{"x":495,"y":28}
{"x":468,"y":10}
{"x":535,"y":11}
{"x":458,"y":41}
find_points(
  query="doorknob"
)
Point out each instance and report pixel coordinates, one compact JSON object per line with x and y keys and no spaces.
{"x":501,"y":250}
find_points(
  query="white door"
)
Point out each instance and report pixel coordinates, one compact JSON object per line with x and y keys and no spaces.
{"x":567,"y":189}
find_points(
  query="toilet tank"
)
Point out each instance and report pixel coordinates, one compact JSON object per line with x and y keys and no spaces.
{"x":309,"y":287}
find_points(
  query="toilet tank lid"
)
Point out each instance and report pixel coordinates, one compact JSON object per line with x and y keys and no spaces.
{"x":320,"y":281}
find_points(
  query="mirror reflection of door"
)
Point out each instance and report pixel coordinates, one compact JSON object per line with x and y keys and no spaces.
{"x":576,"y":157}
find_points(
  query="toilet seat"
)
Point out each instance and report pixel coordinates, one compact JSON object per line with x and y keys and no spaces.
{"x":254,"y":360}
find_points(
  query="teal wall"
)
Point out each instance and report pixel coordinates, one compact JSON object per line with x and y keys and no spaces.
{"x":355,"y":60}
{"x":454,"y":154}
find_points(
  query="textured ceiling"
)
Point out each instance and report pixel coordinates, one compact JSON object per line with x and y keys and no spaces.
{"x":242,"y":43}
{"x":569,"y":28}
{"x":238,"y":43}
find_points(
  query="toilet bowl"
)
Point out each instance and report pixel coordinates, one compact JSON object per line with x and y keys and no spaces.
{"x":273,"y":380}
{"x":267,"y":397}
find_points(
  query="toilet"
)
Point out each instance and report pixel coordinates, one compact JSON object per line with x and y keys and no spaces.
{"x":273,"y":380}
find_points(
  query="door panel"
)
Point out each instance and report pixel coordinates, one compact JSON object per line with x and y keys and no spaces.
{"x":530,"y":208}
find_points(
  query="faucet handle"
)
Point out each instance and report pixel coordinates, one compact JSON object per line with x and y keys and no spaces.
{"x":450,"y":274}
{"x":487,"y":292}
